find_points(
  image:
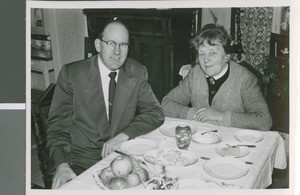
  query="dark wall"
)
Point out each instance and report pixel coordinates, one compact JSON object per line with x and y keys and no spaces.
{"x":12,"y":86}
{"x":12,"y":152}
{"x":12,"y":39}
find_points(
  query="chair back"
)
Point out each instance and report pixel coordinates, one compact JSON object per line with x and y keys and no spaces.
{"x":39,"y":117}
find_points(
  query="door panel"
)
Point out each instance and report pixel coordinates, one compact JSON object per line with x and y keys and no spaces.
{"x":155,"y":54}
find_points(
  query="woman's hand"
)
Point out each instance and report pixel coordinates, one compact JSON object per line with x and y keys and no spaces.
{"x":62,"y":175}
{"x":209,"y":115}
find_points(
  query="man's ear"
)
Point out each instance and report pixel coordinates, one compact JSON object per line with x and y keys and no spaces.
{"x":97,"y":43}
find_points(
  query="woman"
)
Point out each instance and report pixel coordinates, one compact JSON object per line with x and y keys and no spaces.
{"x":219,"y":90}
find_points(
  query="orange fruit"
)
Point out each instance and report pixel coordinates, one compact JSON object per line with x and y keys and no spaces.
{"x":143,"y":173}
{"x":121,"y":166}
{"x":118,"y":183}
{"x":136,"y":164}
{"x":106,"y":175}
{"x":133,"y":179}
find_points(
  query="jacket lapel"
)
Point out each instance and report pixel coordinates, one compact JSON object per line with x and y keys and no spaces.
{"x":125,"y":85}
{"x":93,"y":94}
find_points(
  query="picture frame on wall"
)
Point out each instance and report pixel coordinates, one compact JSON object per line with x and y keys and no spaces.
{"x":39,"y":21}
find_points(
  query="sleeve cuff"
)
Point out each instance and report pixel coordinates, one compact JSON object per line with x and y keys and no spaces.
{"x":227,"y":119}
{"x":57,"y":158}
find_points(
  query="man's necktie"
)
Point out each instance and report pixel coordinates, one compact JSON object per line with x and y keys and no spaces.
{"x":111,"y":93}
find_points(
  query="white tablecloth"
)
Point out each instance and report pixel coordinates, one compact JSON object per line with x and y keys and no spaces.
{"x":268,"y":154}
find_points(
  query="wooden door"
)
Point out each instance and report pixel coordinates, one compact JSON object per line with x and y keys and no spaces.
{"x":155,"y":54}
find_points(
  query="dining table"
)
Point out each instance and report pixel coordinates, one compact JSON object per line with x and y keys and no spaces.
{"x":258,"y":160}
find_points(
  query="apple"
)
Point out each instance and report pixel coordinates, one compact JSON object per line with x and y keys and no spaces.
{"x":121,"y":166}
{"x":106,"y":175}
{"x":133,"y":179}
{"x":143,"y":173}
{"x":118,"y":183}
{"x":136,"y":163}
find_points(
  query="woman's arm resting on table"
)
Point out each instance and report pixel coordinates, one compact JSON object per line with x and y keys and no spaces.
{"x":256,"y":115}
{"x":175,"y":103}
{"x":209,"y":115}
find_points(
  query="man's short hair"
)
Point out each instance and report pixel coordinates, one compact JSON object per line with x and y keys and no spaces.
{"x":115,"y":20}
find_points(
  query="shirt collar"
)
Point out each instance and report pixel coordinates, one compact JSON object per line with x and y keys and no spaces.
{"x":222,"y":73}
{"x":103,"y":69}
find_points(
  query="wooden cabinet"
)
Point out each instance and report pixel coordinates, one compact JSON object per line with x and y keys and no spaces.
{"x":159,"y":39}
{"x":155,"y":54}
{"x":278,"y":95}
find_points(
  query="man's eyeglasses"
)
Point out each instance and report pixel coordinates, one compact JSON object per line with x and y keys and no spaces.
{"x":111,"y":45}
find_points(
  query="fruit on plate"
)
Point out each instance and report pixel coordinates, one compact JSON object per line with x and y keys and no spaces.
{"x":106,"y":175}
{"x":118,"y":183}
{"x":124,"y":172}
{"x":136,"y":163}
{"x":143,"y":173}
{"x":121,"y":166}
{"x":133,"y":179}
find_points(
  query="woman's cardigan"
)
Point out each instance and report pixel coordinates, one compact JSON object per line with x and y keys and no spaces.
{"x":240,"y":97}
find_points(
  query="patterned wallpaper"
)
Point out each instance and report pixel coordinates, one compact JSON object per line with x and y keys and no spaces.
{"x":256,"y":24}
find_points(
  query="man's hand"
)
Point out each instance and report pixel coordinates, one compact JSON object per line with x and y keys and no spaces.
{"x":113,"y":144}
{"x":62,"y":175}
{"x":209,"y":115}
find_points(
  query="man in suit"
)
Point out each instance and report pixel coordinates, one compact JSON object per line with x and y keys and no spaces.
{"x":85,"y":124}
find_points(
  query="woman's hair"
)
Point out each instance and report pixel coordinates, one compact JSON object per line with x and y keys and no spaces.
{"x":212,"y":33}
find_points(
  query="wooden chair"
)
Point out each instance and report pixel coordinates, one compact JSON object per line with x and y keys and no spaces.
{"x":39,"y":117}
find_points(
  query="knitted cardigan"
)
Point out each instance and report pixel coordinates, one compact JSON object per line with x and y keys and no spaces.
{"x":239,"y":97}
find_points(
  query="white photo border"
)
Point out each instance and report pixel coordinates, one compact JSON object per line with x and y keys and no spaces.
{"x":294,"y":79}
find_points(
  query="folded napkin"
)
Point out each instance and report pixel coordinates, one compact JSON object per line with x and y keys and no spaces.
{"x":280,"y":156}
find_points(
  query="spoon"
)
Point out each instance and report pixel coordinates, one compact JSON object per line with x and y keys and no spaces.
{"x":209,"y":132}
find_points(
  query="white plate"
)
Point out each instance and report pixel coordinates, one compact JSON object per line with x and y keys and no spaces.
{"x":226,"y":149}
{"x":168,"y":129}
{"x":251,"y":136}
{"x":207,"y":138}
{"x":191,"y":184}
{"x":225,"y":168}
{"x":138,"y":146}
{"x":171,"y":157}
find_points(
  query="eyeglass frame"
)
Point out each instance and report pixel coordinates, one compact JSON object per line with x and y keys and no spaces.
{"x":115,"y":44}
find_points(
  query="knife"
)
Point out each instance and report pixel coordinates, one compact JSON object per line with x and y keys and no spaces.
{"x":246,"y":145}
{"x":122,"y":153}
{"x":119,"y":152}
{"x":206,"y":158}
{"x":209,"y":132}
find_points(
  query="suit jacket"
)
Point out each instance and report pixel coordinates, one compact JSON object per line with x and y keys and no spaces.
{"x":78,"y":125}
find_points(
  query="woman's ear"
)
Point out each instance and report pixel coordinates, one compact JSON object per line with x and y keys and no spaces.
{"x":97,"y":43}
{"x":227,"y":57}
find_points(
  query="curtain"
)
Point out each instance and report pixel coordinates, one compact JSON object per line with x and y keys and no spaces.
{"x":256,"y":25}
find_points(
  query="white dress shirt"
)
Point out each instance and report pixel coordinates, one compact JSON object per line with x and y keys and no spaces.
{"x":104,"y":72}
